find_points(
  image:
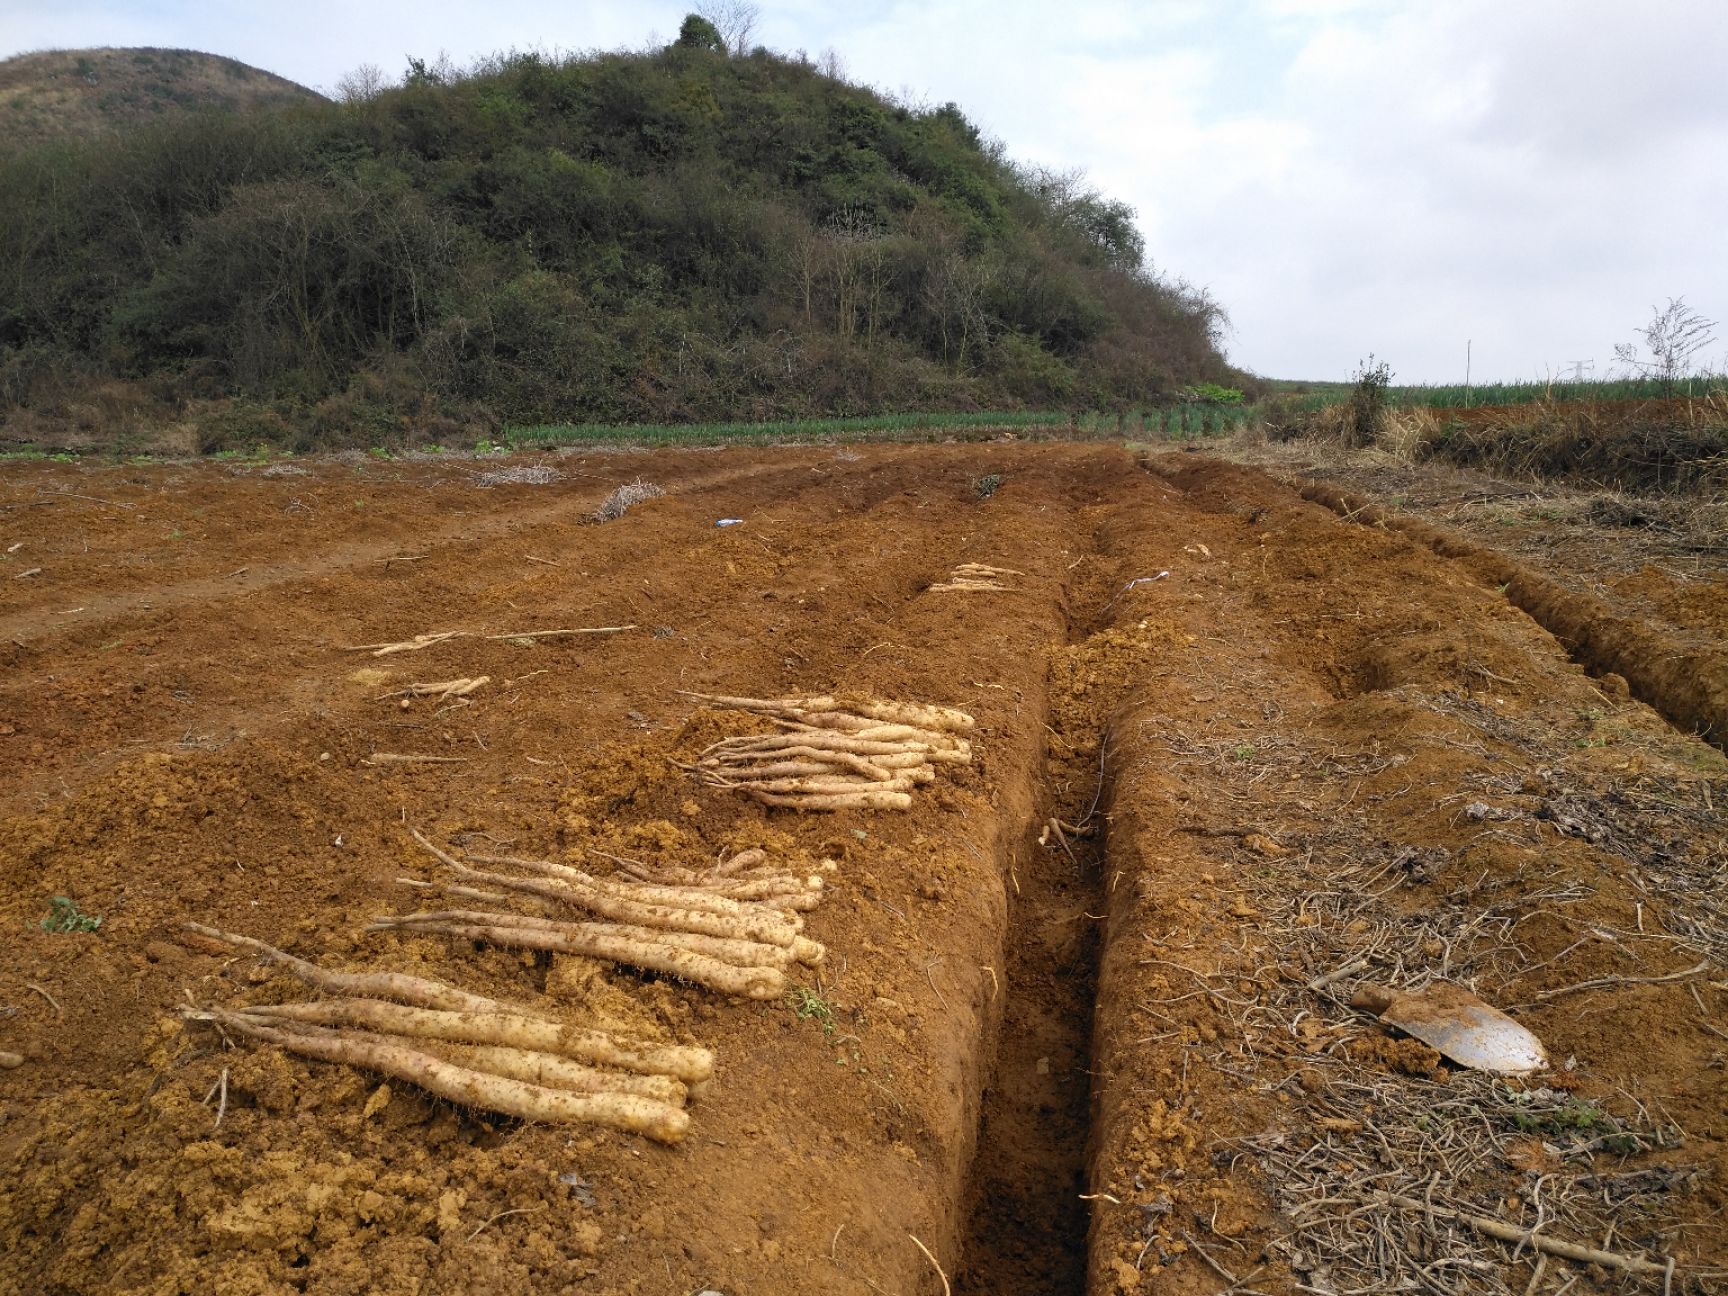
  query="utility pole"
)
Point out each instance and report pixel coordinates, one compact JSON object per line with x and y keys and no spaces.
{"x":1467,"y":342}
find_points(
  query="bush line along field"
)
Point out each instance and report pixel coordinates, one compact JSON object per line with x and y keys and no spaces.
{"x":674,"y":236}
{"x":1318,"y":395}
{"x":1636,"y":434}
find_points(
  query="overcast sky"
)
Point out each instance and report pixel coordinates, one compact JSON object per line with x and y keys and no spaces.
{"x":1345,"y":176}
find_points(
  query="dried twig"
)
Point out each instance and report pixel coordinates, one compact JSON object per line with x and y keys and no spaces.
{"x":946,"y":1289}
{"x":53,"y":1002}
{"x":94,"y":499}
{"x":549,"y":634}
{"x":1599,"y":982}
{"x":1528,"y":1237}
{"x":442,"y":636}
{"x":519,"y":1210}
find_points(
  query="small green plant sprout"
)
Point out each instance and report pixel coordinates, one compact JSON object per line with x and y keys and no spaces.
{"x":64,"y":915}
{"x":987,"y":485}
{"x":807,"y":1005}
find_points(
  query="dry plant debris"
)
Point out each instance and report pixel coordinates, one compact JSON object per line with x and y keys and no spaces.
{"x":520,"y":475}
{"x":737,"y":933}
{"x":619,"y":501}
{"x":431,"y":638}
{"x":835,"y":754}
{"x":972,"y":577}
{"x":471,"y":1050}
{"x":1401,"y":1174}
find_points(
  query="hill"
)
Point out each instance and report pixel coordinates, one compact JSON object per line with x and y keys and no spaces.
{"x":92,"y":92}
{"x":656,"y":237}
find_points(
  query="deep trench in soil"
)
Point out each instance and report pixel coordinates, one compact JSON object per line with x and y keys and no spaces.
{"x":1027,"y":1225}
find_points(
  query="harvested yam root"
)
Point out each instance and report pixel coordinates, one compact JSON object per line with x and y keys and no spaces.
{"x":736,"y":944}
{"x":746,"y":876}
{"x":443,"y":691}
{"x":611,"y":942}
{"x":510,"y":1030}
{"x":856,"y":754}
{"x":473,"y":1050}
{"x":862,"y":709}
{"x":416,"y":991}
{"x":489,"y":1090}
{"x":975,"y":576}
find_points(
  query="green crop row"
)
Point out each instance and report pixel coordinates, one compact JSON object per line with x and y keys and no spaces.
{"x":1185,"y":422}
{"x":1313,"y":396}
{"x":1178,"y":422}
{"x":867,"y":427}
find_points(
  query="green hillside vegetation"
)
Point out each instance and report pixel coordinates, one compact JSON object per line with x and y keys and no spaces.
{"x":53,"y":94}
{"x":661,"y":237}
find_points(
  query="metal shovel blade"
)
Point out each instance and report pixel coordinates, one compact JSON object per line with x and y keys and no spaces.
{"x":1460,"y":1025}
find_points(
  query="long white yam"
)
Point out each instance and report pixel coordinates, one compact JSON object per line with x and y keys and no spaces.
{"x":777,"y":892}
{"x":836,"y":800}
{"x":725,"y":703}
{"x":902,"y":733}
{"x":554,"y":1072}
{"x":801,"y":740}
{"x":910,"y":713}
{"x":793,"y":768}
{"x":395,"y":986}
{"x":594,"y":1047}
{"x":946,"y":719}
{"x":739,"y":953}
{"x":469,"y":1088}
{"x":866,"y":739}
{"x":823,"y":786}
{"x":770,"y":926}
{"x":676,"y":897}
{"x":607,"y":944}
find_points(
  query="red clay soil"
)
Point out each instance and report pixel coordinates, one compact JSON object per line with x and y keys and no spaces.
{"x":188,"y":724}
{"x":1688,"y":685}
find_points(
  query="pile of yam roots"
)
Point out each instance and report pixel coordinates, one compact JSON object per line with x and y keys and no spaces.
{"x":473,"y":1051}
{"x":974,"y":577}
{"x":736,"y":928}
{"x":835,"y":754}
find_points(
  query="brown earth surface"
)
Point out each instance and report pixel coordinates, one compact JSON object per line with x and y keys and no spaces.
{"x":1661,"y":558}
{"x":1084,"y":1023}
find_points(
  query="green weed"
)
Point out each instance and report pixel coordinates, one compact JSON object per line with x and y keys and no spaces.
{"x":64,"y":915}
{"x":808,"y":1005}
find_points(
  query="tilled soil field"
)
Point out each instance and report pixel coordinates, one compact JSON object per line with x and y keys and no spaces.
{"x":1084,"y":1022}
